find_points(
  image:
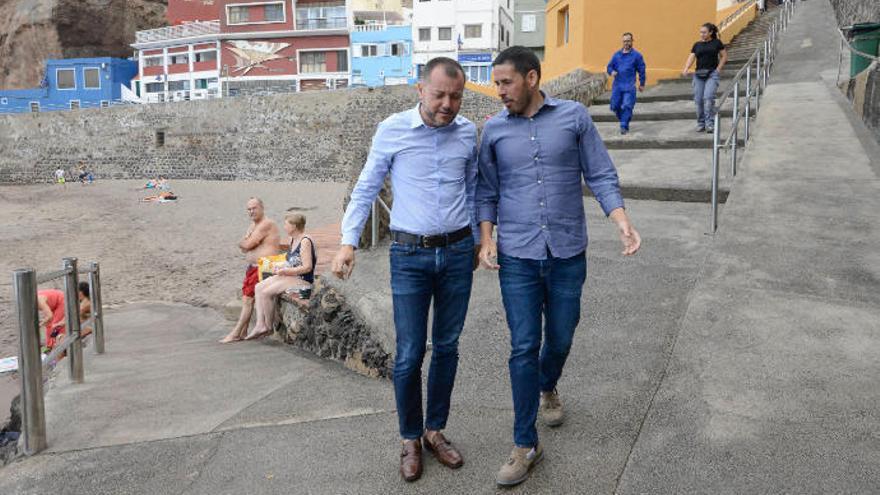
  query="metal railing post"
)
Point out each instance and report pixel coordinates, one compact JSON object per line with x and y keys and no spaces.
{"x":97,"y":306}
{"x":33,"y":411}
{"x":71,"y":314}
{"x":716,"y":137}
{"x":748,"y":101}
{"x":759,"y":73}
{"x":375,"y":223}
{"x":733,"y":143}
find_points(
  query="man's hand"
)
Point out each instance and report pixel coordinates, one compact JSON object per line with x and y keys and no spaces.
{"x":628,"y":234}
{"x":614,"y":73}
{"x":489,"y":254}
{"x":343,"y":262}
{"x":641,"y":88}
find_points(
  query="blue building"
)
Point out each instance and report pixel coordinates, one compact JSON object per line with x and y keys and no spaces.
{"x":73,"y":83}
{"x":381,"y":55}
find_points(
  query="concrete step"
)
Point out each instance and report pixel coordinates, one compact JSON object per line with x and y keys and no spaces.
{"x":662,"y":134}
{"x":682,"y":175}
{"x":661,"y":110}
{"x":666,"y":92}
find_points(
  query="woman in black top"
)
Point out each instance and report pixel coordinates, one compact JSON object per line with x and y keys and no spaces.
{"x":710,"y":55}
{"x":298,"y":272}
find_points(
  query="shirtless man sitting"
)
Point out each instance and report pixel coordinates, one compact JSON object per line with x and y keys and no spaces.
{"x":261,"y":240}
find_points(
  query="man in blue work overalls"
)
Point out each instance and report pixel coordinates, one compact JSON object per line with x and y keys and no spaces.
{"x":624,"y":66}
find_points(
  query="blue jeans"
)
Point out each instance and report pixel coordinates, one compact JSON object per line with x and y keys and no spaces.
{"x":623,"y":101}
{"x":530,"y":288}
{"x":419,"y":275}
{"x":704,"y":97}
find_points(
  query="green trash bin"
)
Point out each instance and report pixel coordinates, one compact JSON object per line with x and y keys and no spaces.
{"x":866,"y":39}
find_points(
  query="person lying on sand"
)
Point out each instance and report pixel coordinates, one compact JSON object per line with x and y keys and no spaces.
{"x":162,"y":196}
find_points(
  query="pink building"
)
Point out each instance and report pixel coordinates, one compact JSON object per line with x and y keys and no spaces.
{"x":216,"y":48}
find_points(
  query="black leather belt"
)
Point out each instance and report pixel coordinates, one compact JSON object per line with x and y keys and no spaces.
{"x":431,"y":241}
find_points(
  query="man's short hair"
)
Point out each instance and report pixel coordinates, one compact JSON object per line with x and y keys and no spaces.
{"x":628,"y":34}
{"x":258,"y":200}
{"x":450,"y":67}
{"x":84,"y":289}
{"x":298,"y":220}
{"x":522,"y":59}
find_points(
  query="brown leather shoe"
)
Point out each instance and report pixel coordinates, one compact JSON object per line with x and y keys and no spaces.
{"x":443,"y":450}
{"x":411,"y":460}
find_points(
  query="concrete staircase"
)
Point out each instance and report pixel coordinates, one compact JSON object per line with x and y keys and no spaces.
{"x":663,"y":157}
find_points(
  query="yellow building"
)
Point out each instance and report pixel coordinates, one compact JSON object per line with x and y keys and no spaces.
{"x":586,"y":33}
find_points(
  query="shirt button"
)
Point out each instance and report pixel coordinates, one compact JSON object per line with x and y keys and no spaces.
{"x":541,"y":203}
{"x":544,"y":227}
{"x":532,"y":138}
{"x":540,"y":181}
{"x":536,"y":158}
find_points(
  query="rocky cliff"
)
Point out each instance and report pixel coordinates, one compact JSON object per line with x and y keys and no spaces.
{"x":33,"y":30}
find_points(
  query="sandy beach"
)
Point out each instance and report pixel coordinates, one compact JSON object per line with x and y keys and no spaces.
{"x":185,"y":251}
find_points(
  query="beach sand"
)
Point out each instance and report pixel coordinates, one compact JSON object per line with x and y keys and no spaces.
{"x":185,"y":251}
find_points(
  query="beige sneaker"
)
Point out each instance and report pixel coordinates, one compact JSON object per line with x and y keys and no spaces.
{"x":517,"y":468}
{"x":551,"y":411}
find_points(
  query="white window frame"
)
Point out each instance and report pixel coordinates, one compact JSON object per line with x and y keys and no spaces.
{"x":105,"y":104}
{"x":4,"y":101}
{"x":71,"y":102}
{"x":256,"y":4}
{"x":173,"y":55}
{"x":440,"y":30}
{"x":429,"y":34}
{"x":209,"y":50}
{"x":159,"y":57}
{"x":58,"y":87}
{"x":31,"y":106}
{"x":480,"y":35}
{"x":531,"y":26}
{"x":85,"y":81}
{"x":299,"y":53}
{"x":371,"y":48}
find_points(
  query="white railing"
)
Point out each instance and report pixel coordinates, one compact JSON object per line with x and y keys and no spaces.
{"x":188,"y":30}
{"x":365,"y":28}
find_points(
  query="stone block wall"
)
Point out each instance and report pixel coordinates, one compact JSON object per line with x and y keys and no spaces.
{"x":320,"y":136}
{"x":864,"y":91}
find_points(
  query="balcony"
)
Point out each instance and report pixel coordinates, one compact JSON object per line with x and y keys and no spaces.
{"x":322,"y":23}
{"x":188,"y":30}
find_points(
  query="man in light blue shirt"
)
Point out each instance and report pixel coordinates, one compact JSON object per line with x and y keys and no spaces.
{"x":430,"y":153}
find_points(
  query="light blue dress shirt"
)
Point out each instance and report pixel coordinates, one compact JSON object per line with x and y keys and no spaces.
{"x":531,"y":176}
{"x":433,"y":177}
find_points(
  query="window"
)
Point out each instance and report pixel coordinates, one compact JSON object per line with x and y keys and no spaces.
{"x":477,"y":73}
{"x":507,"y":38}
{"x":206,"y":56}
{"x":105,"y":103}
{"x":274,"y":12}
{"x":529,"y":23}
{"x":397,"y":49}
{"x":237,"y":15}
{"x":444,"y":33}
{"x":178,"y":85}
{"x":312,"y":62}
{"x":321,"y":15}
{"x":473,"y":30}
{"x":152,"y":61}
{"x":368,"y":50}
{"x":92,"y":78}
{"x":501,"y":35}
{"x":35,"y":106}
{"x":160,"y":139}
{"x":341,"y":61}
{"x":562,"y":27}
{"x":154,"y":87}
{"x":424,"y":34}
{"x":4,"y":101}
{"x":178,"y":58}
{"x":66,"y":78}
{"x":74,"y":104}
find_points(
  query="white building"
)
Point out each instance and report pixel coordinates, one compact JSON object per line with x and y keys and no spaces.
{"x":470,"y":31}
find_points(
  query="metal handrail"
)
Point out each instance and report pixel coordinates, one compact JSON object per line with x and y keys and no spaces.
{"x":31,"y":364}
{"x":763,"y":58}
{"x":374,"y":238}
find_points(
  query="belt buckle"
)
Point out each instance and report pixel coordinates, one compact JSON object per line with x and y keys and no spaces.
{"x":432,"y":241}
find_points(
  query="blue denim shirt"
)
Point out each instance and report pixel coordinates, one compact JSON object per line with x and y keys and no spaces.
{"x":433,"y":177}
{"x":627,"y":66}
{"x":530,"y":179}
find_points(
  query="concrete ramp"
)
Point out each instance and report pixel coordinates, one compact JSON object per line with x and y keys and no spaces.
{"x":164,"y":375}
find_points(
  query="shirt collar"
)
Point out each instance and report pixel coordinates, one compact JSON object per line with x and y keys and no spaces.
{"x":549,"y":101}
{"x":415,"y":119}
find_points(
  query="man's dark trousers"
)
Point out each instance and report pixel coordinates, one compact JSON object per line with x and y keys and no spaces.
{"x":419,"y":275}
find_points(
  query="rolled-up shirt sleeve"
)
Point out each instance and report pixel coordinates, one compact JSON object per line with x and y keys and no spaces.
{"x":366,"y":189}
{"x":598,"y":169}
{"x":487,"y":182}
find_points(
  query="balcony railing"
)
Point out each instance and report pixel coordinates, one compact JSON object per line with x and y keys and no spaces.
{"x":188,"y":30}
{"x":323,"y":23}
{"x":370,"y":27}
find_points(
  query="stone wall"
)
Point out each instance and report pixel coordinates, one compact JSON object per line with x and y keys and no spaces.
{"x":863,"y":91}
{"x":305,"y":136}
{"x":578,"y":85}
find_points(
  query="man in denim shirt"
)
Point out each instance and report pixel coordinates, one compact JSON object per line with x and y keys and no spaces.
{"x":533,"y":155}
{"x":430,"y":153}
